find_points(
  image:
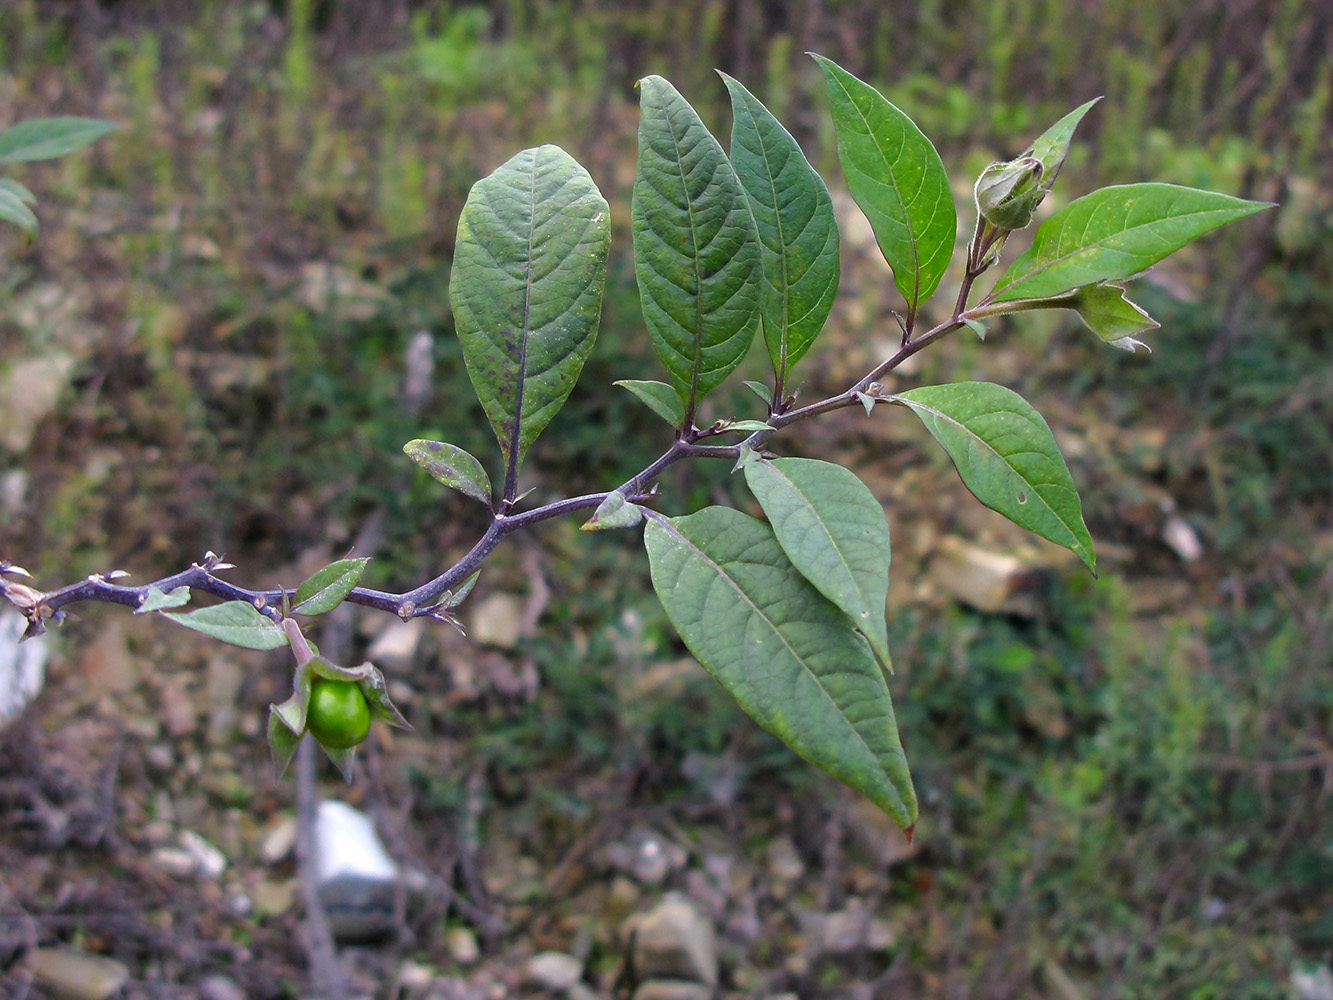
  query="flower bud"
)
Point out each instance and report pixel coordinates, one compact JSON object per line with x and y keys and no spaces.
{"x":1008,"y":193}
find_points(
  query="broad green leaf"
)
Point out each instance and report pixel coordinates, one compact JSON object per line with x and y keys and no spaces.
{"x":833,"y":530}
{"x":1114,"y":233}
{"x":235,"y":622}
{"x":156,"y":600}
{"x":789,"y":657}
{"x":613,"y":512}
{"x":452,"y":466}
{"x":327,"y":587}
{"x":798,"y":234}
{"x":658,"y":397}
{"x":696,"y":253}
{"x":48,"y":138}
{"x":1052,"y":146}
{"x":1007,"y":456}
{"x":1107,"y":313}
{"x":14,"y":209}
{"x":526,"y":289}
{"x":898,"y":179}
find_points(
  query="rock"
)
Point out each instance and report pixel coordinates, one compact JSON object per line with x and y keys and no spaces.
{"x":278,"y":841}
{"x":395,"y":648}
{"x":1181,"y":538}
{"x":174,"y":861}
{"x":553,"y":971}
{"x":1312,"y":983}
{"x":647,"y":856}
{"x":13,"y":491}
{"x":496,"y":621}
{"x":76,"y":975}
{"x":209,"y":861}
{"x":784,"y":862}
{"x":988,"y":581}
{"x":414,"y":978}
{"x":847,"y":931}
{"x":31,"y":389}
{"x":357,"y":878}
{"x":461,"y":944}
{"x":273,"y":898}
{"x":673,"y":941}
{"x":107,"y":667}
{"x":22,"y":667}
{"x":220,"y":988}
{"x":672,"y":989}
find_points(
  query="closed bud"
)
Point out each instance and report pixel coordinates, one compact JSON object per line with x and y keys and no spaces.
{"x":1008,"y":193}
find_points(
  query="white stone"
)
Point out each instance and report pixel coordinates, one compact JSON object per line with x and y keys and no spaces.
{"x":22,"y":666}
{"x":553,"y":970}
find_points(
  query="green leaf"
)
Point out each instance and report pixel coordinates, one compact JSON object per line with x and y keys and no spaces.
{"x":788,"y":656}
{"x":696,"y":253}
{"x":745,"y":426}
{"x":155,"y":600}
{"x":798,"y":233}
{"x":236,"y":622}
{"x":976,"y":326}
{"x":1107,"y":313}
{"x":48,"y":138}
{"x":327,"y":587}
{"x":14,"y":209}
{"x":898,"y":179}
{"x":1052,"y":146}
{"x":452,"y":466}
{"x":18,"y":191}
{"x":658,"y":397}
{"x":613,"y":512}
{"x":1113,"y":233}
{"x":457,"y":597}
{"x":526,"y":289}
{"x":833,"y":530}
{"x":282,"y":742}
{"x":1007,"y":456}
{"x":759,"y":389}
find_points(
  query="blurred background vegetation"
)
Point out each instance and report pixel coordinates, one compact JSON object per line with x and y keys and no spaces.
{"x":1125,"y":780}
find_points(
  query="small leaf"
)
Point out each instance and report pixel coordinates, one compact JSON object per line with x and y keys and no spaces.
{"x":1006,"y":455}
{"x":236,"y":622}
{"x":696,"y":252}
{"x":458,"y":596}
{"x":155,"y":600}
{"x":376,"y":689}
{"x":14,"y":210}
{"x":798,"y":235}
{"x":1111,"y":316}
{"x":658,"y":397}
{"x":897,"y":178}
{"x":746,"y":426}
{"x":451,"y":466}
{"x":614,"y":512}
{"x":759,"y":389}
{"x":1115,"y":233}
{"x":867,"y":400}
{"x":1052,"y":146}
{"x":48,"y":138}
{"x":976,"y":326}
{"x":282,"y":742}
{"x":327,"y":587}
{"x":526,"y":289}
{"x":788,"y":656}
{"x":833,"y":530}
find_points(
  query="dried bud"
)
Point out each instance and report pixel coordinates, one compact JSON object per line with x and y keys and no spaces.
{"x":1008,"y":193}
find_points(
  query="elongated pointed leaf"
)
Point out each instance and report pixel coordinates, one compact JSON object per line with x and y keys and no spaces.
{"x":452,"y":466}
{"x":898,"y":179}
{"x":788,"y":656}
{"x":327,"y":587}
{"x":1006,"y":455}
{"x":1114,"y":233}
{"x":798,"y":234}
{"x":1052,"y":146}
{"x":18,"y":190}
{"x":156,"y":600}
{"x":1107,"y":313}
{"x":696,"y":253}
{"x":658,"y":397}
{"x":48,"y":138}
{"x":235,"y":622}
{"x":526,"y":288}
{"x":833,"y":530}
{"x":14,"y":210}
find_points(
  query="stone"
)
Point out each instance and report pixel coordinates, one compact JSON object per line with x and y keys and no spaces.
{"x":993,"y":582}
{"x":461,"y":944}
{"x":553,"y":971}
{"x":673,"y":941}
{"x":30,"y":390}
{"x":784,"y":861}
{"x":496,"y":621}
{"x":220,"y":987}
{"x":395,"y":648}
{"x":174,"y":861}
{"x":278,"y":840}
{"x":1312,"y":983}
{"x":647,"y":856}
{"x":77,"y":975}
{"x":357,"y":878}
{"x":672,"y":989}
{"x":209,"y":862}
{"x":22,"y":667}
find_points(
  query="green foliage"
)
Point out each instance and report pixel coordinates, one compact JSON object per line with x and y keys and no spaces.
{"x":236,"y":622}
{"x":327,"y":588}
{"x":40,"y":139}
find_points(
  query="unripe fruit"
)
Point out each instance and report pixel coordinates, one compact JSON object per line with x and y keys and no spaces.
{"x":337,"y":715}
